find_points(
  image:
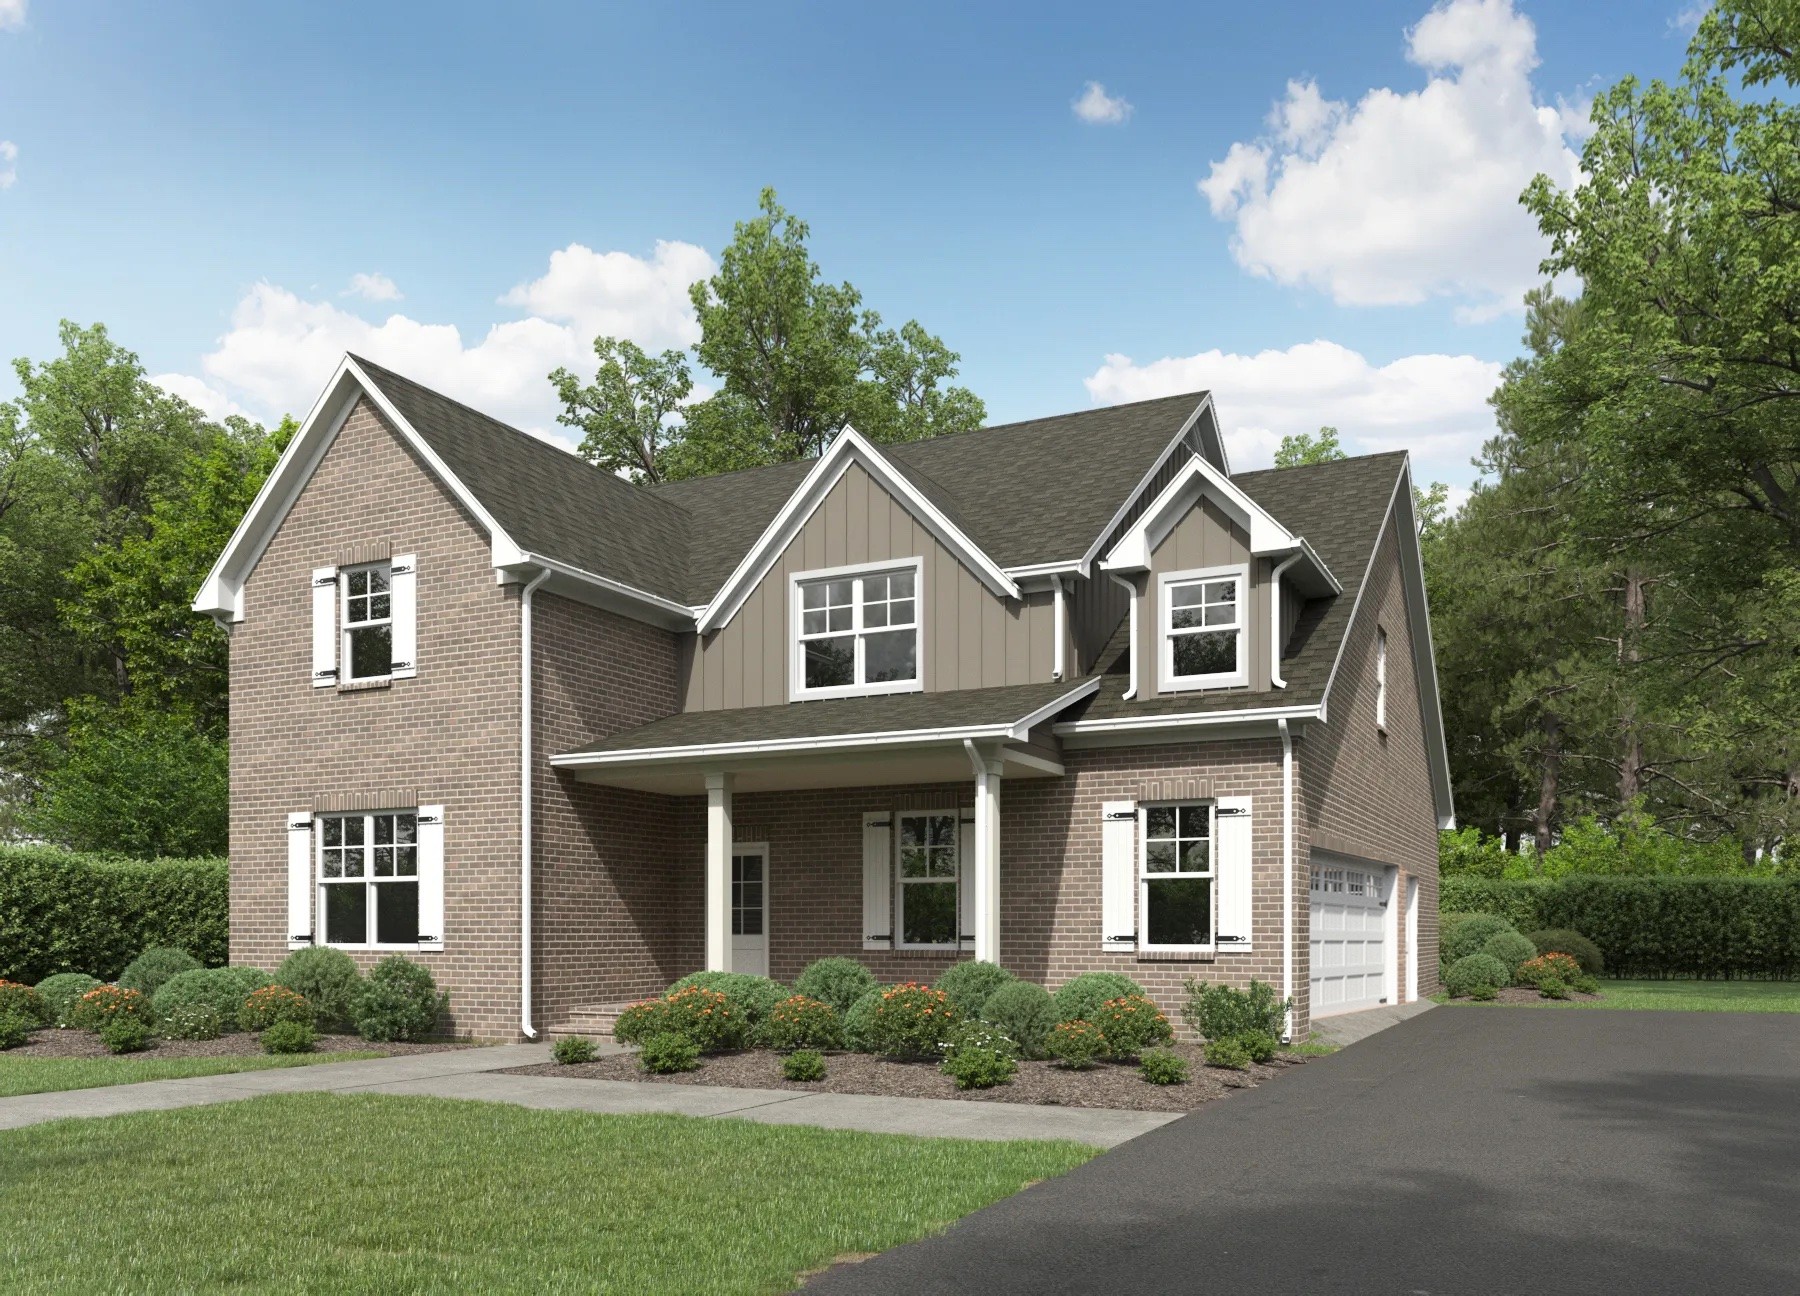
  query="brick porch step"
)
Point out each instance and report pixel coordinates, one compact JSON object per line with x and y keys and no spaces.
{"x":593,"y":1020}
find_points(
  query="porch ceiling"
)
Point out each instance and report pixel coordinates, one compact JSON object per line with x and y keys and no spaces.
{"x":938,"y":763}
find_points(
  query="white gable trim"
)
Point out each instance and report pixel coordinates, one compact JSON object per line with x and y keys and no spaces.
{"x":1203,"y":410}
{"x":849,"y":447}
{"x":1196,"y":478}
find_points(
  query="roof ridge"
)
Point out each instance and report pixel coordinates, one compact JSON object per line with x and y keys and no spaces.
{"x":1327,"y":464}
{"x":1198,"y":394}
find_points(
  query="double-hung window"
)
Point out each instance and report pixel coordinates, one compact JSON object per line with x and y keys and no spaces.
{"x":856,"y":631}
{"x":928,"y":880}
{"x":1204,"y":638}
{"x":369,"y":878}
{"x":1176,"y":877}
{"x":368,"y":622}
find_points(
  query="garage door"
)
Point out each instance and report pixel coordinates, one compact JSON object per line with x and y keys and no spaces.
{"x":1349,"y":950}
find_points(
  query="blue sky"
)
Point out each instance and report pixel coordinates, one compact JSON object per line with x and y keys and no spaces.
{"x":1308,"y":208}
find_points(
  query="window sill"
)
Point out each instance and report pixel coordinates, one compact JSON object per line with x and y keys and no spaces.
{"x":856,"y":690}
{"x":412,"y":948}
{"x":1180,"y":953}
{"x":1202,"y":683}
{"x":365,"y":685}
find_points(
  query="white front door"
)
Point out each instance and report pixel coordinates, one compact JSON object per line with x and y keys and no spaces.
{"x":1349,"y":943}
{"x":750,"y":909}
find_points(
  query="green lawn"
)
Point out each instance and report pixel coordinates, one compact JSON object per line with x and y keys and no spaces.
{"x":27,"y":1075}
{"x":1689,"y":996}
{"x":359,"y":1193}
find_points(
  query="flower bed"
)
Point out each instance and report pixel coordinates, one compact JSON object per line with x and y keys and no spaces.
{"x":51,"y":1043}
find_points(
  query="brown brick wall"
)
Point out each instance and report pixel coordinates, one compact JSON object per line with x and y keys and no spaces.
{"x":452,"y":733}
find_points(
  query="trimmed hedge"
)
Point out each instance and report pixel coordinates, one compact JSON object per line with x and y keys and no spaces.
{"x":1729,"y":927}
{"x":62,"y":911}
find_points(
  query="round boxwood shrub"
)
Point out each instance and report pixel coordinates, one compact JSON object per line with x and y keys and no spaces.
{"x":1024,"y":1012}
{"x":1469,"y":935}
{"x":151,"y":970}
{"x":61,"y":991}
{"x":1229,"y":1052}
{"x":1163,"y":1067}
{"x":751,"y":996}
{"x":803,"y":1065}
{"x":968,"y":985}
{"x":1081,"y":998}
{"x":399,"y":1001}
{"x":15,"y":1029}
{"x":800,"y":1023}
{"x":125,"y":1034}
{"x":288,"y":1037}
{"x":25,"y":1001}
{"x":860,"y":1018}
{"x":274,"y":1003}
{"x":105,"y":1003}
{"x":1130,"y":1025}
{"x":1557,"y":941}
{"x":571,"y":1049}
{"x":839,"y":982}
{"x":667,"y":1053}
{"x":980,"y":1068}
{"x":195,"y":1021}
{"x":224,"y":989}
{"x":910,"y":1021}
{"x":1511,"y":949}
{"x":1474,"y":972}
{"x":327,"y":977}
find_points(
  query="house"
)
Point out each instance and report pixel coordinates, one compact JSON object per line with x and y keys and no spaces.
{"x":1067,"y":694}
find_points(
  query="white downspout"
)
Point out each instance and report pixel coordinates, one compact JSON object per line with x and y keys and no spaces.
{"x":1287,"y":877}
{"x":1275,"y":679}
{"x":1062,"y":630}
{"x":525,"y":802}
{"x":1132,"y":614}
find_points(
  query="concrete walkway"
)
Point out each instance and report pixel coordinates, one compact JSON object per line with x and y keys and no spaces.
{"x":1350,"y":1027}
{"x":470,"y":1074}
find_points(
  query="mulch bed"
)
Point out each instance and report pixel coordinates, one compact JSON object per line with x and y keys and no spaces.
{"x":85,"y":1044}
{"x":1526,"y":995}
{"x":1107,"y":1084}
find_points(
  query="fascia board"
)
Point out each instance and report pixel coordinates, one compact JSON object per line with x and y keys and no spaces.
{"x":1175,"y":443}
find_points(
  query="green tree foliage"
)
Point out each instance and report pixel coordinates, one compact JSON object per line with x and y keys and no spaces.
{"x":625,"y":413}
{"x":1299,"y":448}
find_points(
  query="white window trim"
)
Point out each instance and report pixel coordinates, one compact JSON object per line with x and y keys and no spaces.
{"x":954,"y":814}
{"x":1145,"y":877}
{"x":346,"y":626}
{"x":797,"y":690}
{"x":1167,"y":680}
{"x":1381,"y":679}
{"x":320,"y":882}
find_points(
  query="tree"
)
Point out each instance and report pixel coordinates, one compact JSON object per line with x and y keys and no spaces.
{"x":1300,"y":448}
{"x":625,"y":413}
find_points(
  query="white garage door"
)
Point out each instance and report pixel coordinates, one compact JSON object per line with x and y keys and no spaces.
{"x":1349,"y":947}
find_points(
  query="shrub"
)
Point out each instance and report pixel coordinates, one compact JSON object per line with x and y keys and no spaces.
{"x":24,"y":1001}
{"x":398,"y":1001}
{"x":125,"y":1034}
{"x":224,"y":989}
{"x":1218,"y":1011}
{"x":15,"y":1029}
{"x":800,"y":1023}
{"x":149,"y":971}
{"x":274,"y":1003}
{"x":1471,"y":935}
{"x":1076,"y":1044}
{"x":1163,"y":1067}
{"x":1475,"y":971}
{"x":1511,"y":949}
{"x":639,"y":1021}
{"x":1228,"y":1051}
{"x":968,"y":985}
{"x":1025,"y":1012}
{"x":192,"y":1021}
{"x":103,"y":1003}
{"x":979,"y":1035}
{"x":1585,"y":984}
{"x":1484,"y":992}
{"x":288,"y":1037}
{"x":1260,"y":1045}
{"x":60,"y":909}
{"x":710,"y":1018}
{"x":1131,"y":1025}
{"x":668,"y":1053}
{"x":980,"y":1068}
{"x":327,"y":977}
{"x":1534,"y":972}
{"x":571,"y":1049}
{"x":803,"y":1065}
{"x":860,"y":1020}
{"x":1553,"y":987}
{"x":1574,"y":944}
{"x":839,"y":982}
{"x":910,"y":1020}
{"x":61,"y":991}
{"x":751,"y":996}
{"x":1081,"y":998}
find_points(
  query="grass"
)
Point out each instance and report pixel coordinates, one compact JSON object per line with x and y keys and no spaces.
{"x":1688,"y":996}
{"x":29,"y":1075}
{"x":1311,"y":1048}
{"x":363,"y":1193}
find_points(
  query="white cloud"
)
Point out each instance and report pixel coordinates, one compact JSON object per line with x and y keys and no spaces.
{"x":1434,"y":405}
{"x":281,"y":347}
{"x":375,"y":287}
{"x":12,"y":14}
{"x":1407,"y":195}
{"x":1097,"y":108}
{"x":9,"y":154}
{"x":209,"y":401}
{"x":1686,"y":21}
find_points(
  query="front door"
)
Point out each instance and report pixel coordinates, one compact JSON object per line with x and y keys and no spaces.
{"x":750,"y":909}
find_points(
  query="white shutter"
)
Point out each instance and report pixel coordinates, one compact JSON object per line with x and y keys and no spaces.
{"x":878,"y":882}
{"x":965,"y":884}
{"x":431,"y":877}
{"x":1118,"y":875}
{"x":325,"y":627}
{"x":300,"y":932}
{"x":403,"y":606}
{"x":1233,"y":864}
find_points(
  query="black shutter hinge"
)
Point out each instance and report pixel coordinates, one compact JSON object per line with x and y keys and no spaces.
{"x":1231,"y":810}
{"x":303,"y":936}
{"x":394,"y":666}
{"x":320,"y":582}
{"x":1129,"y":936}
{"x":400,"y":570}
{"x":428,"y":940}
{"x":878,"y":823}
{"x":1231,"y":940}
{"x":326,"y":674}
{"x":1123,"y":814}
{"x":886,"y":936}
{"x":298,"y":826}
{"x":430,"y":819}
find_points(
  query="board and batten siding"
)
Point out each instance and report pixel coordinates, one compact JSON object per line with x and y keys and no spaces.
{"x":1205,"y":538}
{"x":970,"y":639}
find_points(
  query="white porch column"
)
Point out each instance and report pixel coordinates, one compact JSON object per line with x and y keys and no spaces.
{"x":987,"y":855}
{"x":718,"y":872}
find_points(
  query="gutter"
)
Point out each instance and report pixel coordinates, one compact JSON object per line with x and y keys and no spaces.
{"x":1287,"y":878}
{"x":1275,"y":679}
{"x":525,"y":802}
{"x":1132,"y":612}
{"x":1061,"y":633}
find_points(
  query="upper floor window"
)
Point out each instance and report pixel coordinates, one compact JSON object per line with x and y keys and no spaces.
{"x":1203,"y":639}
{"x":1381,"y":679}
{"x":365,"y":621}
{"x":368,"y":622}
{"x":857,"y":631}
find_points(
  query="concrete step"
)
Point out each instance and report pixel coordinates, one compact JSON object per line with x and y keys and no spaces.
{"x":595,"y":1021}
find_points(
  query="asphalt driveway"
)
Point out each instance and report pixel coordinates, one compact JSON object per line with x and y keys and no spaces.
{"x":1469,"y":1150}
